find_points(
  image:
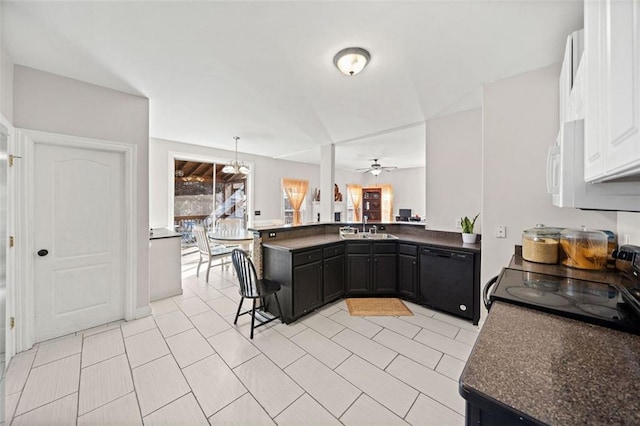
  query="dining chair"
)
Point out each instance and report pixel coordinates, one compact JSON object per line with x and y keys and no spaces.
{"x":253,"y":288}
{"x":207,"y":252}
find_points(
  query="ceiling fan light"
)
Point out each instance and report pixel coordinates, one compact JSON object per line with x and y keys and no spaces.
{"x":376,"y":172}
{"x":352,"y":60}
{"x":244,"y":170}
{"x":228,"y":169}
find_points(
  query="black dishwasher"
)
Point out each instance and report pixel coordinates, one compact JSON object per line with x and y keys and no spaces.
{"x":446,"y":280}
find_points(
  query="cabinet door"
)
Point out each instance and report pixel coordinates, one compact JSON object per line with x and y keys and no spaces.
{"x":408,"y":276}
{"x":384,"y":273}
{"x":612,"y":119}
{"x":307,"y":287}
{"x":333,"y":280}
{"x":622,"y":86}
{"x":358,"y":273}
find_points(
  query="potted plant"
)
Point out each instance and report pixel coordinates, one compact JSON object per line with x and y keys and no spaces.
{"x":467,"y":224}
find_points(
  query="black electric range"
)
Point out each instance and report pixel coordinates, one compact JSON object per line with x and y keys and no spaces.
{"x":593,"y":302}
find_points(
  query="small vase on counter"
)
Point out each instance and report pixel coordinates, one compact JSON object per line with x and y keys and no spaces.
{"x":469,"y":238}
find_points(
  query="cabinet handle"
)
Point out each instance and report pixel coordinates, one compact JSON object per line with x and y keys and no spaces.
{"x":414,"y":262}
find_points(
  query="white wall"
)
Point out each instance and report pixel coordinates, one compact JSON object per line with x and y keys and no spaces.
{"x":628,"y":228}
{"x":55,"y":104}
{"x":267,"y":172}
{"x":408,"y":188}
{"x":520,"y":121}
{"x":6,"y":77}
{"x":454,"y":169}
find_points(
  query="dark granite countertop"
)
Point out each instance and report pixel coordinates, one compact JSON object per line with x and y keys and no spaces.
{"x":303,"y":242}
{"x":157,"y":233}
{"x":440,"y":239}
{"x":553,"y":369}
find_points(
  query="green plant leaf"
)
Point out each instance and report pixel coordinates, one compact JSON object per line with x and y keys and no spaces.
{"x":468,"y":224}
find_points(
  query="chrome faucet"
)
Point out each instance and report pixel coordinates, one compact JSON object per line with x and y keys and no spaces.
{"x":364,"y":224}
{"x":374,"y":228}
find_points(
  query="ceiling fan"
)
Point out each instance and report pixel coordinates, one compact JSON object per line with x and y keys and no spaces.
{"x":376,"y":168}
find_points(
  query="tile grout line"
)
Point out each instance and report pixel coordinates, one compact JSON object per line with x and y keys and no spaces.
{"x":411,"y":406}
{"x":31,"y":368}
{"x":182,"y":372}
{"x":306,"y":392}
{"x":422,"y":393}
{"x":133,"y":382}
{"x":40,"y":406}
{"x":79,"y":379}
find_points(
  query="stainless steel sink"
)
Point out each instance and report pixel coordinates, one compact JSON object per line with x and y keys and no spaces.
{"x":358,"y":236}
{"x":380,"y":236}
{"x":367,"y":236}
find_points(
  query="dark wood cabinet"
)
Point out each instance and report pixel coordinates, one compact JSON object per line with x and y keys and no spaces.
{"x":371,"y":268}
{"x":383,"y":277}
{"x":307,"y":294}
{"x":300,"y":276}
{"x":308,"y":278}
{"x":449,"y":281}
{"x":408,"y":271}
{"x":372,"y":204}
{"x":358,"y":268}
{"x":334,"y":273}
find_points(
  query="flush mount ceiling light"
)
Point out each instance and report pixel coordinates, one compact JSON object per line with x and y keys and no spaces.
{"x":352,"y":60}
{"x":234,"y":166}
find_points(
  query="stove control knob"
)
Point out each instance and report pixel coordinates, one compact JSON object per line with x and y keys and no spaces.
{"x":622,"y":255}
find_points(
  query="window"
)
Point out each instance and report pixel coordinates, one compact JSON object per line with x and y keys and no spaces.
{"x":294,"y":193}
{"x":354,"y":197}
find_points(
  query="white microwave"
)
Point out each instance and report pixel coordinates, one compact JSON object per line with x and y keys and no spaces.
{"x":565,"y":177}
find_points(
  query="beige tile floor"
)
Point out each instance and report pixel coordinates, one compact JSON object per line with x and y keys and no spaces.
{"x":188,"y":365}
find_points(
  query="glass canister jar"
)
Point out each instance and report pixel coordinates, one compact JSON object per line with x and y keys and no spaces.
{"x":583,"y":248}
{"x":540,"y":244}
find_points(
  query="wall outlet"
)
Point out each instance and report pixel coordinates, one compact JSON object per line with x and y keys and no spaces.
{"x":257,"y":213}
{"x":272,"y":234}
{"x":501,"y":231}
{"x":458,"y":223}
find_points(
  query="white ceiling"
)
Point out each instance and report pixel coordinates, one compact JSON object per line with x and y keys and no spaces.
{"x":263,"y":70}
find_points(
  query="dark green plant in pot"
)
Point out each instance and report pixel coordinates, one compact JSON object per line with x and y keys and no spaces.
{"x":467,"y":224}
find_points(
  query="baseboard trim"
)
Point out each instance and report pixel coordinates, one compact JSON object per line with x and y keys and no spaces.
{"x":142,"y":312}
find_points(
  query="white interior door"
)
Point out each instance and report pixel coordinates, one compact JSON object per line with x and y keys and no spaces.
{"x":78,"y":239}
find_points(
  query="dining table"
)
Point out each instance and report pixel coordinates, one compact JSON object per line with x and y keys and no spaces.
{"x":242,"y":237}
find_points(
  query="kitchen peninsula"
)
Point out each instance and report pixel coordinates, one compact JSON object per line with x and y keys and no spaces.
{"x":316,"y":266}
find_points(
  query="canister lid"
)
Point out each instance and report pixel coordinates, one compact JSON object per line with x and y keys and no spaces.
{"x":583,"y":233}
{"x":541,"y":231}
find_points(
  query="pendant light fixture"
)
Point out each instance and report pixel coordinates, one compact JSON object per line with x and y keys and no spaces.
{"x":352,"y":60}
{"x":234,"y":166}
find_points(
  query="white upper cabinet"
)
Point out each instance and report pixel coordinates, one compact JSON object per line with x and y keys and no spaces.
{"x":612,"y":114}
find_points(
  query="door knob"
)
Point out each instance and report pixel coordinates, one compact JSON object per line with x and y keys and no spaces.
{"x":43,"y":252}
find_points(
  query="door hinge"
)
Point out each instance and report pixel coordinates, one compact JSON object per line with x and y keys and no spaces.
{"x":12,"y":322}
{"x":12,"y":241}
{"x":11,"y":158}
